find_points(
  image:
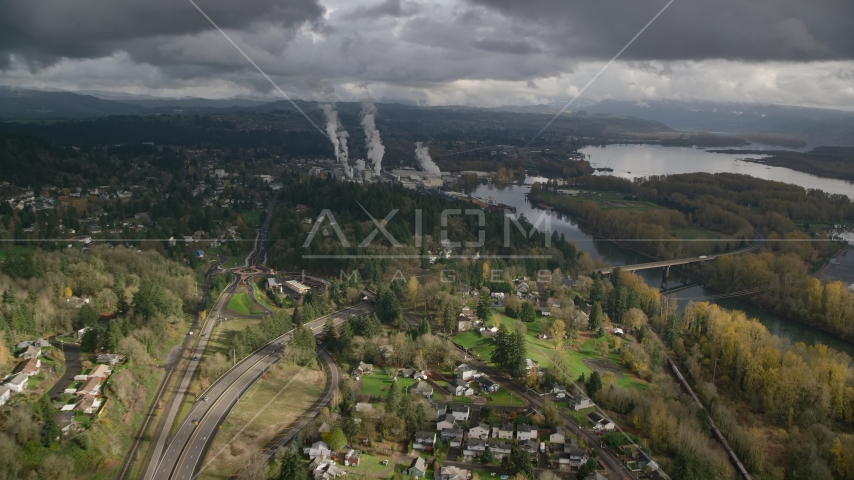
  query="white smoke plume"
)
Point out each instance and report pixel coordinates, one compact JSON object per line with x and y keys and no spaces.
{"x":376,"y":150}
{"x":338,"y":136}
{"x":360,"y":164}
{"x":422,"y":153}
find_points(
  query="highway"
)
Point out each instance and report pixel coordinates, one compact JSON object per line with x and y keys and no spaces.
{"x":757,"y":242}
{"x":185,"y":452}
{"x":159,"y":437}
{"x":333,"y":379}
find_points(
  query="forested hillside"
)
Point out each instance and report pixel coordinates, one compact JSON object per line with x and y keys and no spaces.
{"x":135,"y":304}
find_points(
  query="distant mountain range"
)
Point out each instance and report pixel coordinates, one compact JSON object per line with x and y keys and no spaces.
{"x":814,"y":125}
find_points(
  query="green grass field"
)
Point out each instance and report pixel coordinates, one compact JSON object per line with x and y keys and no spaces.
{"x":240,"y":303}
{"x":540,"y":351}
{"x":377,"y":383}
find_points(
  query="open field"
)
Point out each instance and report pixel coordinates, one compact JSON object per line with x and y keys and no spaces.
{"x":377,"y":383}
{"x":572,"y":355}
{"x":275,"y":409}
{"x":242,"y":304}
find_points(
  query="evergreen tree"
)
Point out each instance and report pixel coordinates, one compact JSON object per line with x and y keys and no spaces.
{"x":518,"y":354}
{"x":449,"y":324}
{"x":595,"y":320}
{"x":527,"y":314}
{"x":488,"y":456}
{"x":501,"y":352}
{"x":597,"y":292}
{"x":114,"y":336}
{"x":329,"y":334}
{"x":518,"y":462}
{"x":392,"y":399}
{"x":291,"y":467}
{"x":484,"y":307}
{"x":593,"y":384}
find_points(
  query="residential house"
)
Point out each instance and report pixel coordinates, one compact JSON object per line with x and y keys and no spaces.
{"x":466,"y":372}
{"x":578,"y":402}
{"x":595,"y":476}
{"x":454,"y":436}
{"x":553,"y":388}
{"x":445,"y":422}
{"x":452,"y":473}
{"x":461,"y":412}
{"x":530,"y":365}
{"x":500,"y":449}
{"x":110,"y":358}
{"x":30,"y":352}
{"x":459,"y":388}
{"x":65,"y":421}
{"x":18,"y":383}
{"x":325,"y":469}
{"x":545,"y":311}
{"x":100,"y":371}
{"x":422,"y":388}
{"x":480,"y":431}
{"x":474,"y":447}
{"x":352,"y":458}
{"x":577,"y":456}
{"x":364,"y":407}
{"x":5,"y":394}
{"x":529,"y":446}
{"x":486,"y":384}
{"x":363,"y":369}
{"x":90,"y":387}
{"x":406,"y":372}
{"x":465,"y":325}
{"x":317,"y":449}
{"x":503,"y":431}
{"x":526,"y":432}
{"x":29,"y":367}
{"x":78,"y":335}
{"x":424,"y":441}
{"x":645,"y":462}
{"x":599,"y":422}
{"x":87,"y":404}
{"x":557,"y":435}
{"x":439,"y":411}
{"x":417,"y":469}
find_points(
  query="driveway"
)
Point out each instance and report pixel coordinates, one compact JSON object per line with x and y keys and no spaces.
{"x":72,"y":368}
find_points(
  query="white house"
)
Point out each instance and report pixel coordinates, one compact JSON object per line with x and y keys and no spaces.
{"x":479,"y":431}
{"x":599,"y":422}
{"x":18,"y":383}
{"x":578,"y":402}
{"x":460,"y":412}
{"x":317,"y":449}
{"x":5,"y":393}
{"x":466,"y":372}
{"x":446,"y":422}
{"x":526,"y":432}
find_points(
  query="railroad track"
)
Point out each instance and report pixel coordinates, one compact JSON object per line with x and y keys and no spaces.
{"x":287,"y":434}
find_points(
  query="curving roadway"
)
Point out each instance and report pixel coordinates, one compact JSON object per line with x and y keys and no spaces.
{"x":184,"y":454}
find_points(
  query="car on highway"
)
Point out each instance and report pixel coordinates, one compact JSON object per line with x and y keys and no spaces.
{"x":206,"y":399}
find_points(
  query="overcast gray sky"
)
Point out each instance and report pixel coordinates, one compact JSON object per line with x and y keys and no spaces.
{"x":439,"y":52}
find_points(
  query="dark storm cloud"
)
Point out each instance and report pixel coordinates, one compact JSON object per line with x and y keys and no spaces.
{"x":506,"y":46}
{"x":387,"y":8}
{"x":692,"y":29}
{"x":46,"y":30}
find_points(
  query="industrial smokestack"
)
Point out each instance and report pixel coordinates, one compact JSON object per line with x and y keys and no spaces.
{"x":338,"y":137}
{"x":376,"y":150}
{"x":422,"y":153}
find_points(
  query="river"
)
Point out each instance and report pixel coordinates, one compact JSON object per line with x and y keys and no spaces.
{"x":514,"y":195}
{"x":633,"y":161}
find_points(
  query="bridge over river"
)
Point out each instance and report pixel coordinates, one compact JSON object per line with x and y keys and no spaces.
{"x":757,"y":242}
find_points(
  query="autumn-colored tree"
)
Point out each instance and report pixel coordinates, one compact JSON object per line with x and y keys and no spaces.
{"x":557,"y":331}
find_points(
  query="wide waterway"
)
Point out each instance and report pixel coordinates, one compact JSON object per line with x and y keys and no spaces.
{"x":514,"y":195}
